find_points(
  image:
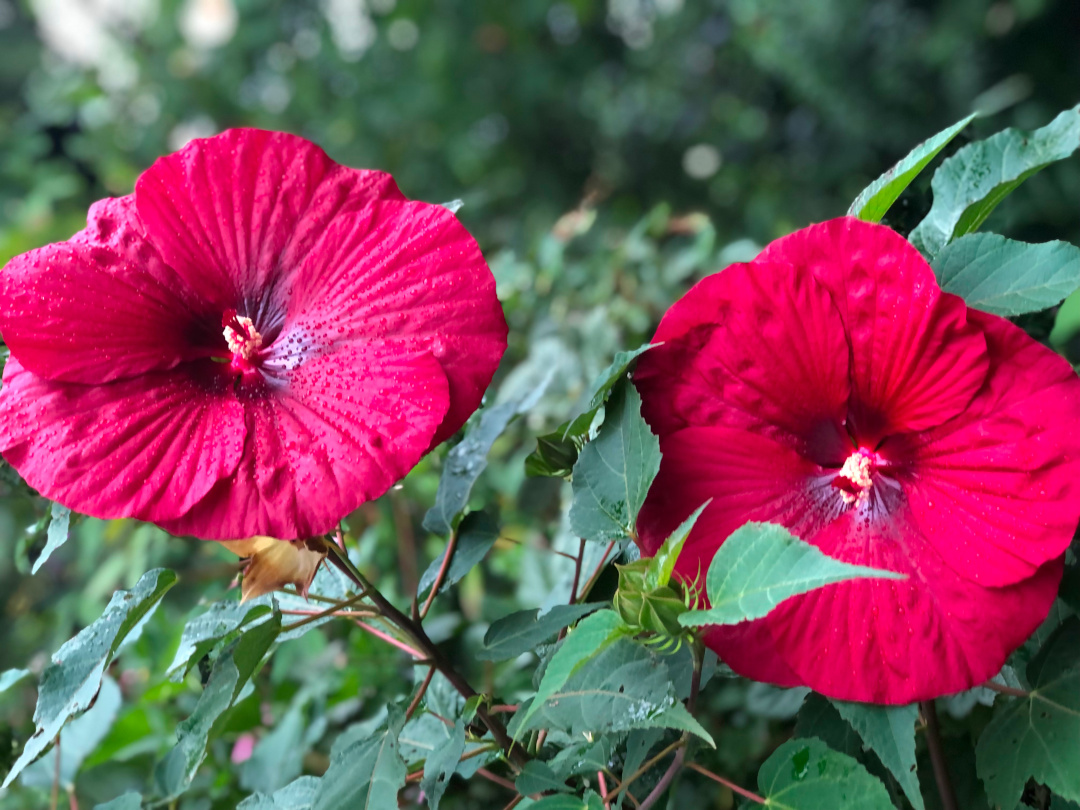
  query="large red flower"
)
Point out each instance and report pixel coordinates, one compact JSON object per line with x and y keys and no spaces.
{"x":830,"y":386}
{"x":254,"y":342}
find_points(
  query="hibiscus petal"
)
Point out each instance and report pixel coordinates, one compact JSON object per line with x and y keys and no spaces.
{"x":996,"y":490}
{"x":777,"y":363}
{"x":102,"y":306}
{"x":148,"y":447}
{"x":223,"y":209}
{"x":916,"y":361}
{"x":899,"y":641}
{"x":323,"y":438}
{"x":405,"y":272}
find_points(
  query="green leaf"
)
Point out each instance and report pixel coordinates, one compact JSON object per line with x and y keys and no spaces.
{"x":366,"y":775}
{"x":78,"y":739}
{"x":877,"y":198}
{"x":71,"y":682}
{"x":523,"y":631}
{"x":639,"y":742}
{"x":476,"y":534}
{"x":60,"y":520}
{"x":583,"y":757}
{"x":538,"y":777}
{"x":624,"y":687}
{"x":662,"y":564}
{"x":1037,"y":736}
{"x":203,"y":632}
{"x":231,"y":672}
{"x":888,"y":731}
{"x":971,"y":183}
{"x":819,"y":718}
{"x":10,"y":677}
{"x":129,"y":801}
{"x":560,"y":801}
{"x":277,"y":758}
{"x":614,"y":471}
{"x":762,"y":564}
{"x":592,"y":635}
{"x":1008,"y":278}
{"x":805,"y":774}
{"x":442,"y":764}
{"x":297,"y":795}
{"x":611,"y":376}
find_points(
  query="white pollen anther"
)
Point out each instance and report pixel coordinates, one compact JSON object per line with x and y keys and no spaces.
{"x":241,"y":336}
{"x":857,"y":472}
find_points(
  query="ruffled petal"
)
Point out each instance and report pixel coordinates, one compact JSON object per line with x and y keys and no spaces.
{"x":148,"y":447}
{"x":405,"y":272}
{"x":916,"y":361}
{"x":899,"y":641}
{"x":777,"y":363}
{"x":102,"y":306}
{"x":996,"y":490}
{"x":323,"y":438}
{"x":222,"y":210}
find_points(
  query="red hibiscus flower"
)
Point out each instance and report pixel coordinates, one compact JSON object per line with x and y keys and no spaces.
{"x":254,"y":342}
{"x":830,"y":386}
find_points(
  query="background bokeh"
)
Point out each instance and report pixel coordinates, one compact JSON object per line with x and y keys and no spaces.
{"x":608,"y":153}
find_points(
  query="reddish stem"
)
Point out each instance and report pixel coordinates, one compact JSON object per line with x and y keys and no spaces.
{"x":746,"y":794}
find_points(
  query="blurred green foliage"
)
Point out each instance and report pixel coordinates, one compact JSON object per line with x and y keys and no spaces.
{"x":609,"y":153}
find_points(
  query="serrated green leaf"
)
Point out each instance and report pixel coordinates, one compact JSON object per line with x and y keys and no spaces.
{"x":203,"y":632}
{"x":611,"y":376}
{"x":476,"y":534}
{"x":614,"y":471}
{"x":1037,"y":736}
{"x":366,"y":775}
{"x":819,"y":718}
{"x":877,"y":198}
{"x":539,"y":777}
{"x":888,"y":731}
{"x":69,"y":684}
{"x":662,"y":564}
{"x":522,"y":631}
{"x":762,"y":564}
{"x":1008,"y":278}
{"x":805,"y":774}
{"x":592,"y":635}
{"x":297,"y":795}
{"x":583,"y":757}
{"x":60,"y":520}
{"x":560,"y":801}
{"x":623,"y":687}
{"x":129,"y":801}
{"x":971,"y":183}
{"x":78,"y":739}
{"x":277,"y":758}
{"x":231,"y":672}
{"x":442,"y":764}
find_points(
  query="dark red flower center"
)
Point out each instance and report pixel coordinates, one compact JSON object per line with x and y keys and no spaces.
{"x":243,"y":339}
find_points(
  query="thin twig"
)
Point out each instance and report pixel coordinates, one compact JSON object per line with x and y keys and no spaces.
{"x":679,"y":743}
{"x":420,"y":693}
{"x":514,"y":802}
{"x":596,"y":573}
{"x":665,"y":781}
{"x":389,"y":639}
{"x":322,"y":614}
{"x":505,"y":708}
{"x":416,"y":631}
{"x":73,"y":803}
{"x":448,"y":555}
{"x":577,"y":573}
{"x":746,"y":794}
{"x":417,"y":776}
{"x":517,"y":542}
{"x":498,"y":780}
{"x":603,"y":784}
{"x":1001,"y":688}
{"x":937,"y":755}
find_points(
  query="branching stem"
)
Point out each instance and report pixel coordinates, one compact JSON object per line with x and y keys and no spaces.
{"x":937,"y":755}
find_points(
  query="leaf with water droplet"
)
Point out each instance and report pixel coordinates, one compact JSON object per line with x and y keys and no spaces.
{"x":805,"y":774}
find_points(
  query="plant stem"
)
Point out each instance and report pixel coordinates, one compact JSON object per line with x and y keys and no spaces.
{"x":746,"y":794}
{"x":430,"y":651}
{"x":389,"y":639}
{"x":420,"y":693}
{"x":1001,"y":688}
{"x":596,"y":573}
{"x":665,"y":781}
{"x":448,"y":555}
{"x":577,"y":571}
{"x":498,"y":780}
{"x":54,"y":797}
{"x":937,"y":755}
{"x":679,"y":743}
{"x":322,"y":614}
